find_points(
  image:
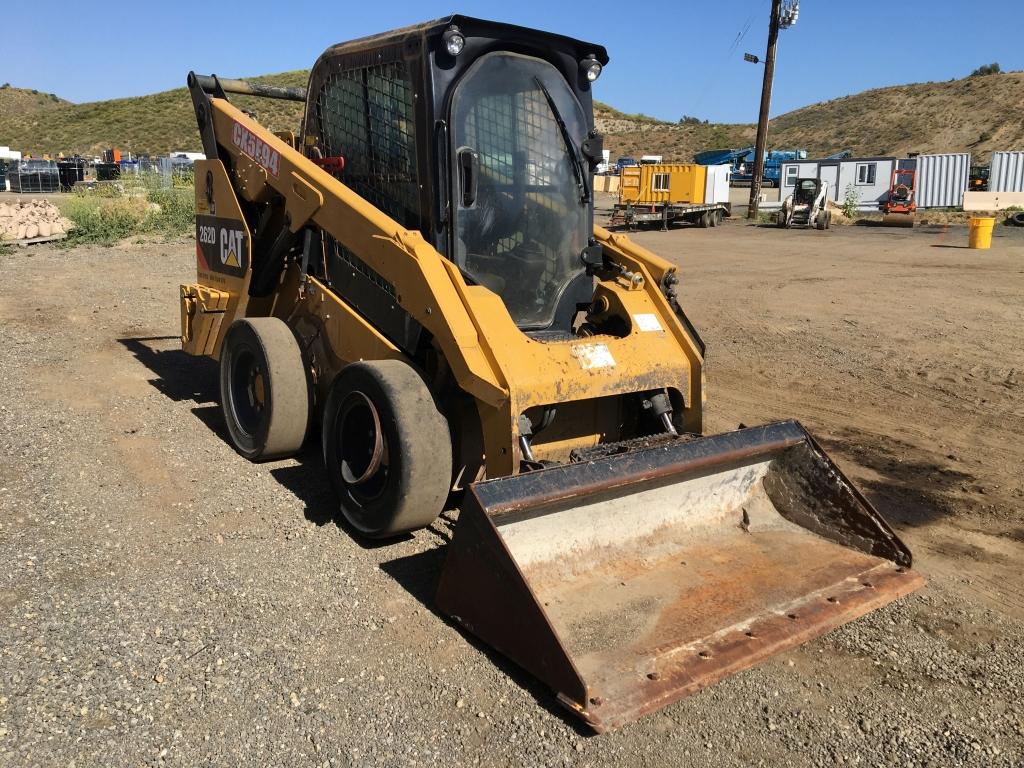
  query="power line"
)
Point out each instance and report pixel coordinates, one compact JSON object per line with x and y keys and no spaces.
{"x":714,"y":76}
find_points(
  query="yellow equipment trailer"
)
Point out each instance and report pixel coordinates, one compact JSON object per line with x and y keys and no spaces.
{"x":414,"y":278}
{"x":667,"y":193}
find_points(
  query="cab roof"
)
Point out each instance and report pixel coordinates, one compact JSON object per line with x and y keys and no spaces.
{"x":471,"y":27}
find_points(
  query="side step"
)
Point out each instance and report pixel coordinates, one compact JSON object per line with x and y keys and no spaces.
{"x":628,"y":582}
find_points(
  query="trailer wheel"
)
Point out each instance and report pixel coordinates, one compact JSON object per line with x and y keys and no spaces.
{"x":387,"y":448}
{"x":712,"y":218}
{"x":705,"y":219}
{"x":264,"y":392}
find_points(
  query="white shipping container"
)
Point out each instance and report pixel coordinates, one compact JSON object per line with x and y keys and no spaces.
{"x":942,"y":180}
{"x":1007,"y":174}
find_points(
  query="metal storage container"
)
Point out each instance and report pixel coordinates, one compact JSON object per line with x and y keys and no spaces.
{"x":663,"y":183}
{"x":34,"y":176}
{"x":942,"y":180}
{"x":108,"y":171}
{"x":1007,"y":174}
{"x":70,"y":172}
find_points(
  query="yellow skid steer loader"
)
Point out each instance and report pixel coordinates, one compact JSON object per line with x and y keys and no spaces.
{"x":415,"y":277}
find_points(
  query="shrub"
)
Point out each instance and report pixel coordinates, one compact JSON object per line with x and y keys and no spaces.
{"x":851,"y":202}
{"x":987,"y":69}
{"x":136,"y":205}
{"x":103,"y":220}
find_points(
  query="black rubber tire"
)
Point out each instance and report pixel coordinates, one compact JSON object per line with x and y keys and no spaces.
{"x":705,"y":220}
{"x":780,"y":220}
{"x":713,"y":218}
{"x":819,"y":221}
{"x":1018,"y":218}
{"x":409,"y":489}
{"x":264,"y":391}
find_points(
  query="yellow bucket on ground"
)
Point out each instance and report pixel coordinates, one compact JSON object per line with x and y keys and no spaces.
{"x":980,"y":231}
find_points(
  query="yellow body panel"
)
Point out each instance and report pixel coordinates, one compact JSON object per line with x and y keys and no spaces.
{"x":663,"y":183}
{"x":506,"y":371}
{"x":202,"y":313}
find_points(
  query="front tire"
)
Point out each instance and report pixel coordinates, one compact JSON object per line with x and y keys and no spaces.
{"x":264,"y":392}
{"x":387,"y":448}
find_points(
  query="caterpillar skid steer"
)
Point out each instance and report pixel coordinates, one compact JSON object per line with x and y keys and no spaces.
{"x":414,"y":277}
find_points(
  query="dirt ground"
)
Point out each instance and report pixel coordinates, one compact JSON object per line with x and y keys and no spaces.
{"x":165,"y":602}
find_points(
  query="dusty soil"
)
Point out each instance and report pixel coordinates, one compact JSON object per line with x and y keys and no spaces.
{"x":165,"y":602}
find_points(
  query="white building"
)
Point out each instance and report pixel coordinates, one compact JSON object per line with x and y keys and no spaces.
{"x":867,"y":177}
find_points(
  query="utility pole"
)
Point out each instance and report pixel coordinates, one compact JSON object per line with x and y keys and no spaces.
{"x":766,"y":103}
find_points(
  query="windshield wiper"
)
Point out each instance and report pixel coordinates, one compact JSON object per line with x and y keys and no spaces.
{"x":577,"y":165}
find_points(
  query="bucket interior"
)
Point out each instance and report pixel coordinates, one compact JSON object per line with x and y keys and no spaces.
{"x":658,"y":591}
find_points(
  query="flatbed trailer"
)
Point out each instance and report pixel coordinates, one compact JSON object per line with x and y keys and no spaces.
{"x":631,"y":215}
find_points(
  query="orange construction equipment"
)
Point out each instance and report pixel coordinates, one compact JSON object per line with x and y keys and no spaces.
{"x":899,"y":205}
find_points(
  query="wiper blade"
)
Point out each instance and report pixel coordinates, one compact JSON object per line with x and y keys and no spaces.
{"x":577,"y":165}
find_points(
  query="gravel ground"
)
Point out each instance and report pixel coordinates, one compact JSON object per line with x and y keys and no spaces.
{"x":167,"y":603}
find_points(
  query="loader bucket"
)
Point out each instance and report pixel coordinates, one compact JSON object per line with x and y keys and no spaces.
{"x":628,"y":582}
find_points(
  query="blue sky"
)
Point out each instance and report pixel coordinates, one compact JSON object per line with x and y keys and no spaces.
{"x":667,"y":58}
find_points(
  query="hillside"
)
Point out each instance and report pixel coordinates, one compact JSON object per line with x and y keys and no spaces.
{"x":154,"y":124}
{"x":975,"y":114}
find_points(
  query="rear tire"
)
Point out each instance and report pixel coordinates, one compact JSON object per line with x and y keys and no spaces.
{"x":264,"y":392}
{"x":387,"y":448}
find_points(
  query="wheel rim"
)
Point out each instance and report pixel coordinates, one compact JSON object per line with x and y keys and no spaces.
{"x":363,"y":456}
{"x":248,"y":391}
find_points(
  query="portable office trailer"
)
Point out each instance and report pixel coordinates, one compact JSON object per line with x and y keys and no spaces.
{"x":675,"y":183}
{"x":869,"y":177}
{"x":942,"y":180}
{"x":663,"y":183}
{"x":1007,"y":173}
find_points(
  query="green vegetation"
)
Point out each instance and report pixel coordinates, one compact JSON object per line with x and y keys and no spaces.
{"x":987,"y":69}
{"x":851,"y":202}
{"x":136,"y":205}
{"x":604,"y":110}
